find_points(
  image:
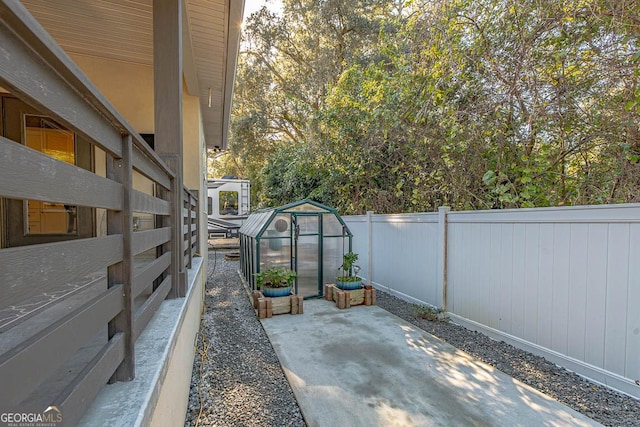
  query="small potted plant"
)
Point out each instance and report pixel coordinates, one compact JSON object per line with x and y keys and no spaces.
{"x":275,"y":281}
{"x":349,"y":279}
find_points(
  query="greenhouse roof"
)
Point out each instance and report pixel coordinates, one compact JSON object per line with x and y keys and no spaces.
{"x":258,"y":221}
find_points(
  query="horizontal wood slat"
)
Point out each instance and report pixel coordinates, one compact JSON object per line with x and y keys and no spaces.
{"x":146,"y":203}
{"x":148,"y":168}
{"x":43,"y":87}
{"x":148,"y":309}
{"x":145,"y":240}
{"x":27,"y":365}
{"x":34,"y":175}
{"x":77,"y":397}
{"x":28,"y":271}
{"x":150,"y":273}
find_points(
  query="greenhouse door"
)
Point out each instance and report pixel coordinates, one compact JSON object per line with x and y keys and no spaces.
{"x":307,"y":253}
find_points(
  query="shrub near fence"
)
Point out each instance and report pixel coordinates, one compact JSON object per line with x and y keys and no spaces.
{"x":563,"y":283}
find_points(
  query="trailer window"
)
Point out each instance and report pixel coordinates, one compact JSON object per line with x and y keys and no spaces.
{"x":228,"y":202}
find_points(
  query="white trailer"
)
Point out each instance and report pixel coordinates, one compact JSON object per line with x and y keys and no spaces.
{"x":228,"y":205}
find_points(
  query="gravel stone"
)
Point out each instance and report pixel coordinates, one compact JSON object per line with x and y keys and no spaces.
{"x":238,"y":381}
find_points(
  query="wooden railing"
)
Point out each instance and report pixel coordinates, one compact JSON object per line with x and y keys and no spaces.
{"x":191,"y":226}
{"x":114,"y":314}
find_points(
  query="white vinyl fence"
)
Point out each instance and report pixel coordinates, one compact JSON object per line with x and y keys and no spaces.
{"x":563,"y":283}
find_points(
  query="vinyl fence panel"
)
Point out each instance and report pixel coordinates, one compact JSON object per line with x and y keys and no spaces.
{"x":403,"y":250}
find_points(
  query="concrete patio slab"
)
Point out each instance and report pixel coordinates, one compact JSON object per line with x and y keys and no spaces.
{"x":366,"y":367}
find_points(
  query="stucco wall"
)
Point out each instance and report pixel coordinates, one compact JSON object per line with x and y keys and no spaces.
{"x":129,"y":87}
{"x":193,"y":141}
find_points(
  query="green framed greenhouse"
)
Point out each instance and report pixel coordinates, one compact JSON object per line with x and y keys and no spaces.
{"x":306,"y":236}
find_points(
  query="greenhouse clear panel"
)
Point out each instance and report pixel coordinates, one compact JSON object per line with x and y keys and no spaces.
{"x":331,"y":226}
{"x":332,"y":258}
{"x":275,"y":253}
{"x":280,"y":226}
{"x":308,"y":224}
{"x":306,"y":207}
{"x":307,"y":261}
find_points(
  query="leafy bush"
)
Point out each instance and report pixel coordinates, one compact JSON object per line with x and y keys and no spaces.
{"x":431,"y":314}
{"x":275,"y":277}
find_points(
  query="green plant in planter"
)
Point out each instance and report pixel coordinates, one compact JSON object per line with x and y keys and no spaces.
{"x":349,"y":279}
{"x":347,"y":266}
{"x":275,"y":277}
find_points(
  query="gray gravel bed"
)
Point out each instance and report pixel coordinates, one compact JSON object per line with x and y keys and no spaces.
{"x":597,"y":402}
{"x":237,"y":379}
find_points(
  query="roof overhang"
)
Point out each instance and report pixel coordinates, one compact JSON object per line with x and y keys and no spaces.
{"x":121,"y":30}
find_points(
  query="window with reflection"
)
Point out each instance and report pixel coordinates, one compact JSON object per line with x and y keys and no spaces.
{"x":45,"y":135}
{"x":228,"y":202}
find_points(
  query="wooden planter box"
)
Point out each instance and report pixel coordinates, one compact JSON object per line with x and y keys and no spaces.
{"x":346,"y":299}
{"x":267,"y":307}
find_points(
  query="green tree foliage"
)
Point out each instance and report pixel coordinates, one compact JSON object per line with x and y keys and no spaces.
{"x":287,"y":63}
{"x":291,"y":174}
{"x":407,"y":106}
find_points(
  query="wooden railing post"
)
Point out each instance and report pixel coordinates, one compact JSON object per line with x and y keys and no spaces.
{"x":121,"y":222}
{"x":167,"y":83}
{"x":175,"y":221}
{"x":189,"y":226}
{"x":198,"y":213}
